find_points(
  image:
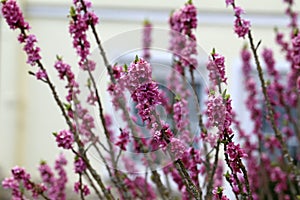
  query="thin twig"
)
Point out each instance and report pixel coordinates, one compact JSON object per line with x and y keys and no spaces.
{"x":212,"y":173}
{"x":93,"y":185}
{"x":271,"y":111}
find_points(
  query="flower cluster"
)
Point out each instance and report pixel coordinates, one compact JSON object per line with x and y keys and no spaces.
{"x":80,"y":187}
{"x":82,"y":18}
{"x":185,"y":19}
{"x":21,"y":178}
{"x":241,"y":26}
{"x":177,"y":148}
{"x":14,"y":18}
{"x":160,"y":138}
{"x":235,"y":154}
{"x":183,"y":22}
{"x":216,"y":68}
{"x":216,"y":112}
{"x":64,"y":71}
{"x":56,"y":186}
{"x":13,"y":15}
{"x":123,"y":140}
{"x":296,"y":51}
{"x":30,"y":48}
{"x":144,"y":91}
{"x":180,"y":114}
{"x":79,"y":165}
{"x":64,"y":139}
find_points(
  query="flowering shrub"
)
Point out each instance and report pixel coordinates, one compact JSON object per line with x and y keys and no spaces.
{"x":213,"y":161}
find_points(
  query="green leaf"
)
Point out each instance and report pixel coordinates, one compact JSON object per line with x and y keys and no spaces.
{"x":136,"y":59}
{"x":58,"y":57}
{"x":177,"y":97}
{"x":213,"y":51}
{"x":72,"y":11}
{"x":189,"y":2}
{"x":125,"y":68}
{"x":67,"y":106}
{"x":43,"y":162}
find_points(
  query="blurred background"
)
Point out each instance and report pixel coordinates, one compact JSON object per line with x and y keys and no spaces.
{"x":28,"y":114}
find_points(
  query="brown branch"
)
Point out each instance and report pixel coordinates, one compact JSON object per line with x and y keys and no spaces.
{"x":212,"y":173}
{"x":271,"y":111}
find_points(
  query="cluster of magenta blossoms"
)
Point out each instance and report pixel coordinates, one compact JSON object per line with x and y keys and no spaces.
{"x":183,"y":24}
{"x":241,"y":26}
{"x":14,"y":18}
{"x":52,"y":187}
{"x":81,"y":19}
{"x":138,"y":80}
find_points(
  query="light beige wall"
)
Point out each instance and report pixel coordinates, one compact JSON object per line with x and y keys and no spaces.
{"x":253,"y":5}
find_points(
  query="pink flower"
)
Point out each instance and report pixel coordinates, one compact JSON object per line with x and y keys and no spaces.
{"x":123,"y":140}
{"x":180,"y":113}
{"x":19,"y":173}
{"x":46,"y":173}
{"x":216,"y":67}
{"x":81,"y":187}
{"x":41,"y":74}
{"x":296,"y":50}
{"x":238,"y":11}
{"x":229,"y":2}
{"x":13,"y":15}
{"x":147,"y":97}
{"x":65,"y":139}
{"x":31,"y":50}
{"x":241,"y":27}
{"x":81,"y":19}
{"x":79,"y":165}
{"x":177,"y":148}
{"x":216,"y":112}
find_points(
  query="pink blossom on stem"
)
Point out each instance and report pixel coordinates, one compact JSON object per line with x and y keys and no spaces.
{"x":13,"y":184}
{"x":183,"y":40}
{"x":78,"y":27}
{"x":229,"y":2}
{"x":41,"y":74}
{"x":123,"y":139}
{"x":13,"y":15}
{"x":79,"y":165}
{"x":216,"y":68}
{"x":81,"y":187}
{"x":216,"y":112}
{"x":177,"y":148}
{"x":62,"y":179}
{"x":181,"y":114}
{"x":31,"y":50}
{"x":296,"y":51}
{"x":144,"y":91}
{"x":64,"y":139}
{"x":241,"y":27}
{"x":235,"y":152}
